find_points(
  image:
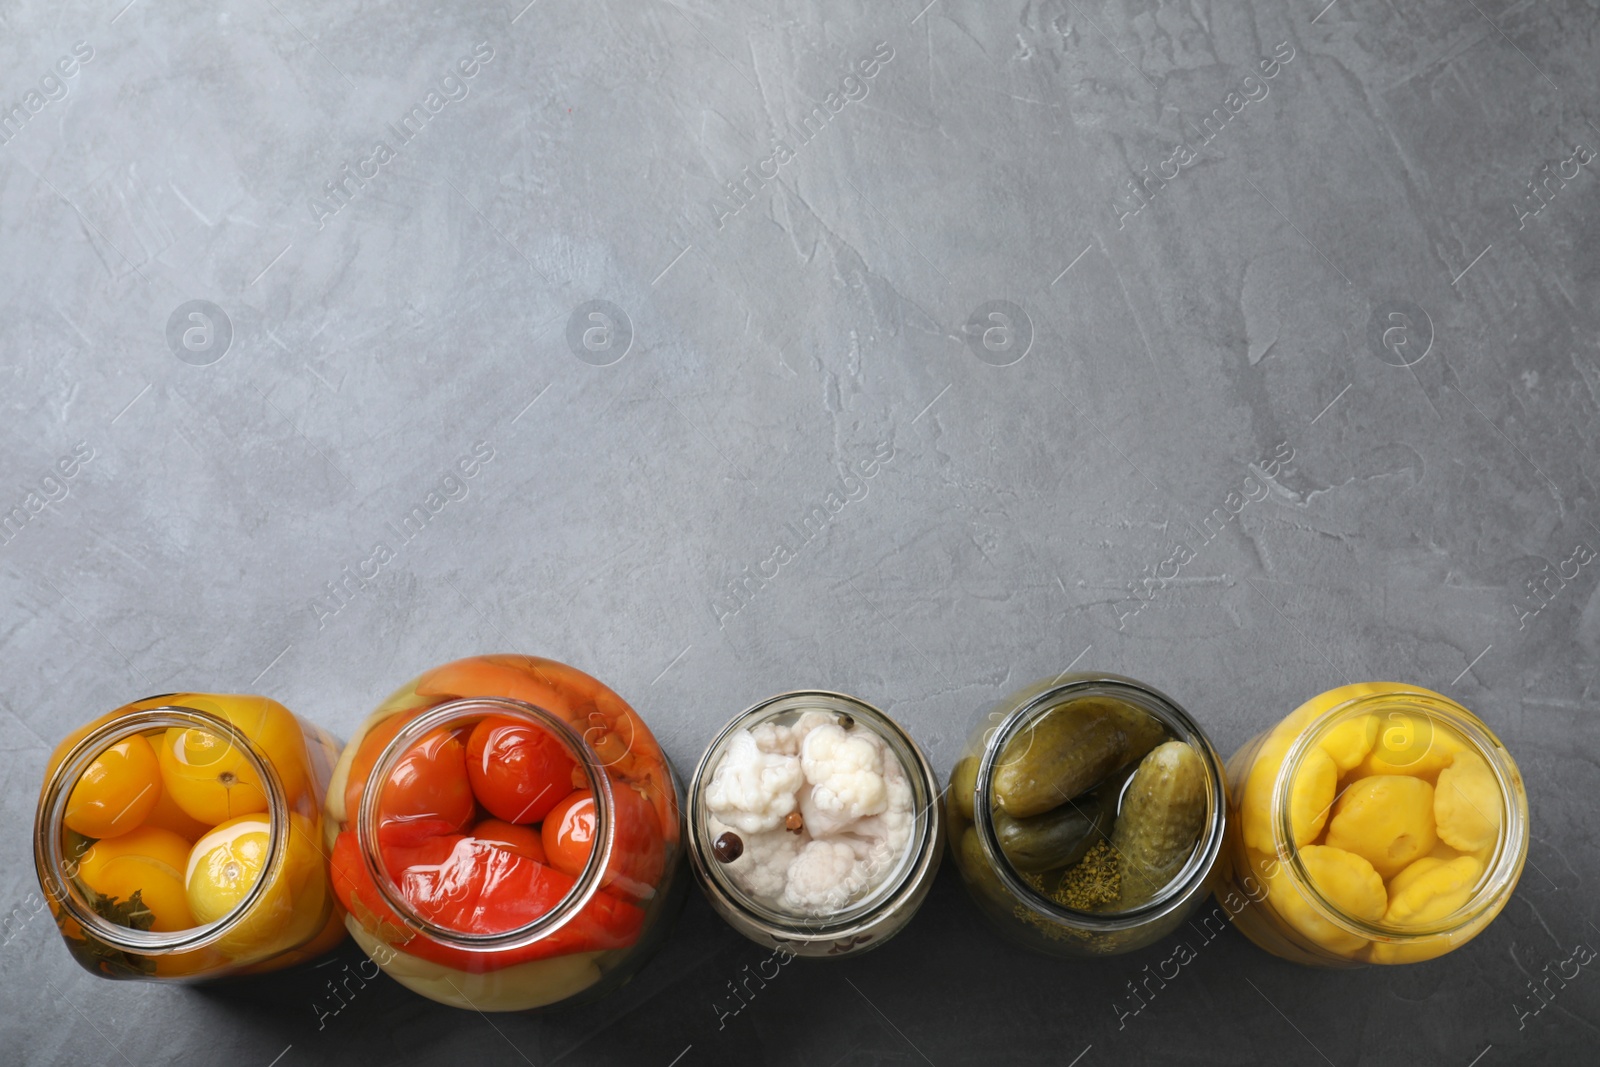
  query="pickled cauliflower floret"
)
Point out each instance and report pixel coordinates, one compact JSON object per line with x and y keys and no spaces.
{"x":831,"y":809}
{"x":845,"y":772}
{"x":785,"y":739}
{"x":881,"y":839}
{"x":762,"y":870}
{"x":825,"y":877}
{"x":753,"y":790}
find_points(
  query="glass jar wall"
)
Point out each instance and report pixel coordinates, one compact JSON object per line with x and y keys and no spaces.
{"x":180,"y":836}
{"x":1085,"y":815}
{"x":1377,"y":823}
{"x":814,"y":824}
{"x":505,"y":833}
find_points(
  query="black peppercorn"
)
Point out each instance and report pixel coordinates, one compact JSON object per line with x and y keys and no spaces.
{"x":846,"y":721}
{"x":727,"y":847}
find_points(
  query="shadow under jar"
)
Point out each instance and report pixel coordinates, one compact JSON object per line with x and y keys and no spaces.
{"x":505,"y":835}
{"x":179,"y":837}
{"x":1376,"y":823}
{"x":1086,"y":814}
{"x":814,"y":825}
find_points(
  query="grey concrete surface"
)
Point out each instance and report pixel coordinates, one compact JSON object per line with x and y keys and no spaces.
{"x":371,"y":314}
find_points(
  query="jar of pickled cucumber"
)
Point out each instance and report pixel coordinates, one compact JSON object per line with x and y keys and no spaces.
{"x":1085,"y":815}
{"x":504,"y":832}
{"x":180,"y":837}
{"x":1377,"y":823}
{"x":814,"y":824}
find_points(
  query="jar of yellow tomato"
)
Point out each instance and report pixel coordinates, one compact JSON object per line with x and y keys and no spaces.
{"x":1377,"y":823}
{"x":180,"y":837}
{"x":504,"y":832}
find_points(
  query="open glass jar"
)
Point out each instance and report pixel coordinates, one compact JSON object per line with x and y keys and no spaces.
{"x":179,"y":837}
{"x":505,"y":834}
{"x":1086,"y":814}
{"x":814,"y":824}
{"x":1377,"y":823}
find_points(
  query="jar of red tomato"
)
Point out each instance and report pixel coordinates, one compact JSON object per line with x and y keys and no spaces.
{"x":504,"y":833}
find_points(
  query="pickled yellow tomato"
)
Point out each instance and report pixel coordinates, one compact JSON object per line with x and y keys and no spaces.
{"x":1386,"y":819}
{"x":147,"y":861}
{"x":1466,"y":803}
{"x":1345,"y":880}
{"x":166,"y":815}
{"x":1409,"y":742}
{"x":209,"y":778}
{"x":1314,"y":786}
{"x":116,"y":791}
{"x":213,"y":780}
{"x":1350,"y":741}
{"x":1431,"y":889}
{"x":227,"y":862}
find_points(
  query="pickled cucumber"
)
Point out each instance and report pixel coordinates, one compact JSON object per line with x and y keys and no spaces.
{"x":976,"y":869}
{"x":963,"y":786}
{"x":1068,"y":750}
{"x":1162,"y":815}
{"x":1057,"y":838}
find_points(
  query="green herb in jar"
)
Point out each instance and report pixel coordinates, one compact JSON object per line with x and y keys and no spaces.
{"x":1093,"y":881}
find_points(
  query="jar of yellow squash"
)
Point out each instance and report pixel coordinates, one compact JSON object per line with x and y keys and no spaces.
{"x":1377,"y":823}
{"x":179,"y":837}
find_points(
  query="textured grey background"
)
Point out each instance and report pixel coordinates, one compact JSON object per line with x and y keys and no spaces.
{"x":820,"y":320}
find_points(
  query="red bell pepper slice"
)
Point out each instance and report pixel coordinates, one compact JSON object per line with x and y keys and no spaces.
{"x":472,"y":886}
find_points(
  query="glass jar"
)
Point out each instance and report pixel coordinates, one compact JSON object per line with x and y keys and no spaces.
{"x":814,"y":824}
{"x":504,"y":832}
{"x":1377,"y":823}
{"x":1085,"y":815}
{"x":179,"y":837}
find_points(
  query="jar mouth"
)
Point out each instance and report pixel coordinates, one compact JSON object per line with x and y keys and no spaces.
{"x":1164,"y":709}
{"x":457,"y":712}
{"x":57,"y":871}
{"x":1503,"y":867}
{"x":901,"y":882}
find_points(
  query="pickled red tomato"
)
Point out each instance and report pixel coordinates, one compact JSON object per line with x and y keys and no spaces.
{"x":568,"y":832}
{"x":428,"y":793}
{"x":638,"y":856}
{"x":518,"y":770}
{"x":523,"y":840}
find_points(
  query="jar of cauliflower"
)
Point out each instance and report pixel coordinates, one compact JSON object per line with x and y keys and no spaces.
{"x":1085,"y":815}
{"x":814,"y":824}
{"x":1377,"y":823}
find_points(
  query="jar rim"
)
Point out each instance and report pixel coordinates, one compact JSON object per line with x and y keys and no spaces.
{"x":450,"y":711}
{"x":920,"y":855}
{"x":1063,"y":690}
{"x":50,"y":821}
{"x":1504,"y":867}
